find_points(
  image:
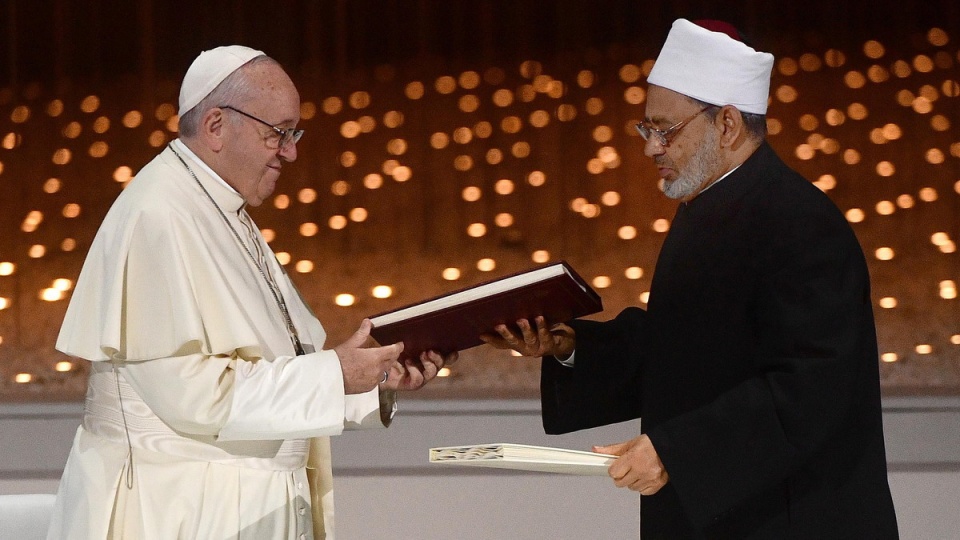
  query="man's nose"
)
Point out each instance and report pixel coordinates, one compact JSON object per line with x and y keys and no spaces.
{"x":652,"y":147}
{"x":288,"y":152}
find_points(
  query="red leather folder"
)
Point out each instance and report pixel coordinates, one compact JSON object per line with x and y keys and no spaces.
{"x":454,"y":321}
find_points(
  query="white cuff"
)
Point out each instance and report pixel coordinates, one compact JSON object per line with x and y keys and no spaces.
{"x":287,"y":398}
{"x":568,"y":361}
{"x":363,"y":410}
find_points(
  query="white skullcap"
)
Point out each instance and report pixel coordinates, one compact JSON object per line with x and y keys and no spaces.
{"x":713,"y":67}
{"x":209,"y":70}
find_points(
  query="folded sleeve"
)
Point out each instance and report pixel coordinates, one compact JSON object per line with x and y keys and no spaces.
{"x":603,"y":385}
{"x":237,"y":399}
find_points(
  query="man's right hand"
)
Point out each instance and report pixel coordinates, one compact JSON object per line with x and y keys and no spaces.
{"x":363,"y":367}
{"x":559,"y":340}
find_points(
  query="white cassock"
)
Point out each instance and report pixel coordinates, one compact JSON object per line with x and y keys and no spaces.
{"x":194,"y":369}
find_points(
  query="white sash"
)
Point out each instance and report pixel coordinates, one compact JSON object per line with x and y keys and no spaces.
{"x":102,"y":417}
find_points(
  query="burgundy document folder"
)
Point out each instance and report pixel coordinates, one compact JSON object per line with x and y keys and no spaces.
{"x":454,"y":321}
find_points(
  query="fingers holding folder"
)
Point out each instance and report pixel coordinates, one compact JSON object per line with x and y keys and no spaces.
{"x":536,"y":339}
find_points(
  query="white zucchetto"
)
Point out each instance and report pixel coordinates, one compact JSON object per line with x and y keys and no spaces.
{"x":713,"y":67}
{"x":209,"y":70}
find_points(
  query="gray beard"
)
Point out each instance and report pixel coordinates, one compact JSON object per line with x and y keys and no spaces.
{"x":698,"y":170}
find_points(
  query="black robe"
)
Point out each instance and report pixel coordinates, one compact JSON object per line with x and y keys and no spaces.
{"x":754,"y":369}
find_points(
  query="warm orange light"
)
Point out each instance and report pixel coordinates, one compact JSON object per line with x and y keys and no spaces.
{"x":826,"y":182}
{"x":90,"y":104}
{"x":471,"y":193}
{"x":486,"y":265}
{"x":98,"y":149}
{"x":337,"y":222}
{"x":307,"y":195}
{"x":51,"y":294}
{"x":439,"y":140}
{"x":885,"y":208}
{"x":62,"y":284}
{"x":164,"y":111}
{"x":123,"y":174}
{"x":463,"y":163}
{"x":504,"y":186}
{"x":887,"y":302}
{"x":855,"y":215}
{"x":468,"y":103}
{"x":884,"y":254}
{"x":132,"y":119}
{"x":928,"y":194}
{"x":62,"y":156}
{"x":786,"y":93}
{"x":358,"y":215}
{"x":332,"y":105}
{"x":948,"y":289}
{"x":536,"y":178}
{"x":476,"y":230}
{"x":873,"y":49}
{"x":372,"y":181}
{"x":308,"y":110}
{"x":602,"y":282}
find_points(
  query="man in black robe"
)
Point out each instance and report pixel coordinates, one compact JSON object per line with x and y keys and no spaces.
{"x":754,"y":367}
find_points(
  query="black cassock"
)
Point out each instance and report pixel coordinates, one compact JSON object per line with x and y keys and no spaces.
{"x":754,"y":369}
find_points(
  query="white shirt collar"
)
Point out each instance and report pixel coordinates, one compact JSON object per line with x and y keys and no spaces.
{"x":183,"y":148}
{"x":717,"y":181}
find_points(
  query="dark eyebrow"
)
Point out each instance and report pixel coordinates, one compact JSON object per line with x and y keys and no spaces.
{"x":659,"y":121}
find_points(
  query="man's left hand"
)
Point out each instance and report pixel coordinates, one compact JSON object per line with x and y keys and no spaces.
{"x":638,"y":467}
{"x":414,"y":374}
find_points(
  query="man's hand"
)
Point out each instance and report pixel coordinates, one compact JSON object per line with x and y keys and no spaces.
{"x":413,"y":374}
{"x":559,"y":340}
{"x":638,"y":467}
{"x":364,"y":367}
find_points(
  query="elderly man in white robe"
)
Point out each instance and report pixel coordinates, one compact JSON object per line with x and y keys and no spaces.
{"x":211,"y":397}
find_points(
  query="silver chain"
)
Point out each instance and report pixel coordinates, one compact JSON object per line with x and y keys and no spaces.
{"x":278,"y":298}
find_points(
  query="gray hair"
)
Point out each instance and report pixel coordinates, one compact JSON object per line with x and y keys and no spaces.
{"x":755,"y":124}
{"x":235,"y":89}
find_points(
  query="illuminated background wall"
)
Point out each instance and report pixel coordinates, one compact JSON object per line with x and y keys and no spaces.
{"x":451,"y":142}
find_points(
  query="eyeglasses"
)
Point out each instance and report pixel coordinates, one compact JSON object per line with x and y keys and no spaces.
{"x":664,"y":136}
{"x":280,"y":138}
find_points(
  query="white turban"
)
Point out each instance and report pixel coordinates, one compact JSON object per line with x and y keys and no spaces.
{"x":209,"y":70}
{"x":713,"y":67}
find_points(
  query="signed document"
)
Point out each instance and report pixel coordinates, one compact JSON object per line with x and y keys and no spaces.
{"x":524,"y":457}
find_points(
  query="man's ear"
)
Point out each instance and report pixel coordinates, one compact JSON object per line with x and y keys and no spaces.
{"x":212,"y":129}
{"x":731,"y":122}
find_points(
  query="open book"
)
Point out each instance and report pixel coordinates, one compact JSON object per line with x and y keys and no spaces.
{"x":454,"y":321}
{"x":524,"y":457}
